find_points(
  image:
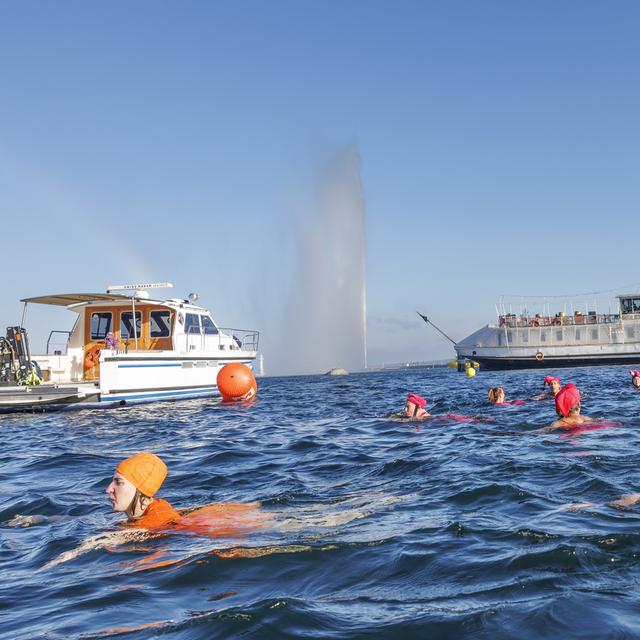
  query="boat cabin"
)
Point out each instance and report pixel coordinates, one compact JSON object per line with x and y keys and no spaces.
{"x":111,"y":325}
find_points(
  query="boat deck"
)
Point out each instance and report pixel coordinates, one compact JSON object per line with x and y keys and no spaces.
{"x":39,"y":397}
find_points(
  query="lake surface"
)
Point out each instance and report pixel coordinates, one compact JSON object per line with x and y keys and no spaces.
{"x":378,"y":529}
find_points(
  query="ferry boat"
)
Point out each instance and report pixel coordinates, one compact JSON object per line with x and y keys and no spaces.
{"x":123,"y":348}
{"x":544,"y":341}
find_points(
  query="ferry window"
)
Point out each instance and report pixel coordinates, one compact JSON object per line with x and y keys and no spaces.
{"x":208,"y":326}
{"x":126,"y":325}
{"x":100,"y":325}
{"x":160,"y":324}
{"x":543,"y":336}
{"x":559,"y":335}
{"x":510,"y":337}
{"x":192,"y":323}
{"x":525,"y":336}
{"x":577,"y":334}
{"x":630,"y":333}
{"x":636,"y":305}
{"x":626,"y":306}
{"x":594,"y":334}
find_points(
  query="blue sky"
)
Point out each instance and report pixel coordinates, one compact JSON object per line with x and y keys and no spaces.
{"x":179,"y":141}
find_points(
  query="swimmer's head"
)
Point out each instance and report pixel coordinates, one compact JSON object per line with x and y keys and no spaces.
{"x":554,"y":384}
{"x":568,"y":401}
{"x":135,"y":479}
{"x":414,"y":405}
{"x":496,"y":395}
{"x":635,"y":378}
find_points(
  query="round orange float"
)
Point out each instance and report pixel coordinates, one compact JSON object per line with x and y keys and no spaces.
{"x":236,"y":382}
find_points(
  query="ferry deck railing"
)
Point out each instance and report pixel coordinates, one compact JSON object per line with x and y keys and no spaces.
{"x":57,"y":343}
{"x":513,"y":321}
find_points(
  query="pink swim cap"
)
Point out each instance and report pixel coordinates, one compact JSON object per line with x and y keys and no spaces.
{"x":417,"y":400}
{"x":567,"y":398}
{"x":549,"y":379}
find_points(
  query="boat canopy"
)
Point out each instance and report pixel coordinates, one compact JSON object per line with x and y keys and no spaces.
{"x":66,"y":299}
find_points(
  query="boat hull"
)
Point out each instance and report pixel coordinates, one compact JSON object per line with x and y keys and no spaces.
{"x":553,"y":362}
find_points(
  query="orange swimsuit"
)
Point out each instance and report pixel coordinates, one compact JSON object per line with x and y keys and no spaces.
{"x":214,"y":520}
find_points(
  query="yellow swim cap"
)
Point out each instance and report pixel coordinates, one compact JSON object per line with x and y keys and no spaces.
{"x":145,"y":471}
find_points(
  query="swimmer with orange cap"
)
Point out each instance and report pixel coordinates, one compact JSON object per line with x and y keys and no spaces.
{"x":635,"y":378}
{"x":132,"y":491}
{"x":133,"y":487}
{"x":568,"y":408}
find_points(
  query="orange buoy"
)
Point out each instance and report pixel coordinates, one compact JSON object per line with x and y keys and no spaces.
{"x":236,"y":382}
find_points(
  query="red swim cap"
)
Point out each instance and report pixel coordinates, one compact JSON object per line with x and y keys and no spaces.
{"x":634,"y":373}
{"x":549,"y":379}
{"x":568,"y":397}
{"x":417,"y":400}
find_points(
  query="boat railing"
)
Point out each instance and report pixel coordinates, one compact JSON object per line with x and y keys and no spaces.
{"x":244,"y":339}
{"x":512,"y":321}
{"x":56,"y":343}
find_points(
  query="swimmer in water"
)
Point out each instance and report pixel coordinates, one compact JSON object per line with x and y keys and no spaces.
{"x":496,"y":395}
{"x":414,"y":408}
{"x":135,"y":481}
{"x":635,"y":378}
{"x":132,"y":491}
{"x":554,"y":388}
{"x":568,"y":408}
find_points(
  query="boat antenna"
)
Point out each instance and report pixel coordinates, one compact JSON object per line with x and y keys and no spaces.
{"x":436,"y":328}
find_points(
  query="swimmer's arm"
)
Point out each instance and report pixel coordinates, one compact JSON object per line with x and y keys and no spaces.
{"x":626,"y":501}
{"x":558,"y":424}
{"x":34,"y":520}
{"x":111,"y":539}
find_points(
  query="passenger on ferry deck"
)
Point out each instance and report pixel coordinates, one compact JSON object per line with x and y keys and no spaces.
{"x":568,"y":408}
{"x":414,"y":407}
{"x":635,"y":378}
{"x":136,"y":481}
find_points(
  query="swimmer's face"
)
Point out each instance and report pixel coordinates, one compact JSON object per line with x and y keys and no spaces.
{"x":635,"y":381}
{"x":409,"y":408}
{"x":555,"y":387}
{"x":121,"y":492}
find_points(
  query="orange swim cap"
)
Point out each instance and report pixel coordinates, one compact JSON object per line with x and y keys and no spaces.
{"x":145,"y":471}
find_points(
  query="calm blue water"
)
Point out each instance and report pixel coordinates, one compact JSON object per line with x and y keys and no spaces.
{"x":380,"y":529}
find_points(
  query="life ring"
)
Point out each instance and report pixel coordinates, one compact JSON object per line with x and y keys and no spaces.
{"x":535,"y":323}
{"x":539,"y":356}
{"x":557,"y":322}
{"x":92,"y":357}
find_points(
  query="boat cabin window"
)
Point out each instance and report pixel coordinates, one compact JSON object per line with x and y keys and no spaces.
{"x":192,"y":323}
{"x":126,"y":325}
{"x":100,"y":324}
{"x":208,"y":326}
{"x":630,"y":305}
{"x":160,"y":324}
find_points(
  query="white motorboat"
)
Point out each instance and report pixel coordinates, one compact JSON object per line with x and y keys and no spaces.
{"x":124,"y":348}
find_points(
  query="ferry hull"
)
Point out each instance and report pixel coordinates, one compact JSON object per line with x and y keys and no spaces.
{"x":551,"y":362}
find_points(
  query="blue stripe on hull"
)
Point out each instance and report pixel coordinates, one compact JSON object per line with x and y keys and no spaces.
{"x":136,"y":366}
{"x":164,"y":395}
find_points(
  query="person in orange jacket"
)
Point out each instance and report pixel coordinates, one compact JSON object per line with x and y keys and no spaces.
{"x":133,"y":491}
